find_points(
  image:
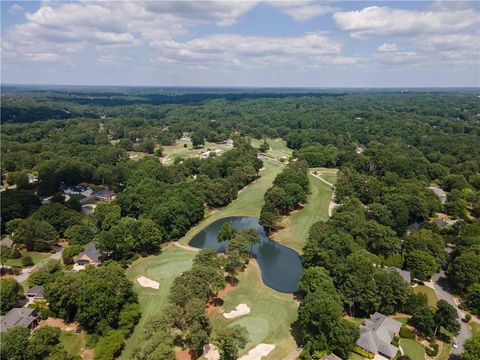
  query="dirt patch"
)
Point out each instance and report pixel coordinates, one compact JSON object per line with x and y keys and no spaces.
{"x":59,"y":323}
{"x":216,"y":302}
{"x":210,"y":352}
{"x":183,"y":355}
{"x":87,"y":354}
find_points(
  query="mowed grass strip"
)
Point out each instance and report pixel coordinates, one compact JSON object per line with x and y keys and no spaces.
{"x":37,"y":257}
{"x":72,"y":342}
{"x":271,"y":313}
{"x":413,"y":349}
{"x":297,"y":225}
{"x":249,"y":201}
{"x":163,"y":268}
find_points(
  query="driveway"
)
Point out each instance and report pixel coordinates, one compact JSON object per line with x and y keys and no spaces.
{"x":441,"y":287}
{"x":26,"y":272}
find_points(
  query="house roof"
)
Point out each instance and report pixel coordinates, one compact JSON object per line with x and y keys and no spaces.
{"x":36,"y":291}
{"x":105,"y":193}
{"x":330,"y":357}
{"x":91,"y":253}
{"x":377,"y":333}
{"x":7,"y":241}
{"x":403,"y":273}
{"x":18,"y":317}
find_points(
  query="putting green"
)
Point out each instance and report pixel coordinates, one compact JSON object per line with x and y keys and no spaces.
{"x":163,"y":268}
{"x":271,"y":313}
{"x":296,"y":226}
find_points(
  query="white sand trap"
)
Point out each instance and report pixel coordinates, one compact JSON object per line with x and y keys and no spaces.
{"x":211,"y":352}
{"x":258,"y":352}
{"x":146,"y":282}
{"x":241,"y":309}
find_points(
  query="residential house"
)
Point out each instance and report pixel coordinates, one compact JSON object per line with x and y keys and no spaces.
{"x":330,"y":357}
{"x":32,"y":179}
{"x":105,"y":195}
{"x":376,"y":335}
{"x":8,"y":242}
{"x":403,"y":273}
{"x":444,"y":222}
{"x":19,"y":317}
{"x":438,"y":191}
{"x":89,"y":256}
{"x":35,"y":293}
{"x":413,"y":227}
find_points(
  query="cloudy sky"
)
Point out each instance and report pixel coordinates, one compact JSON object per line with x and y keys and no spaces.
{"x":241,"y":43}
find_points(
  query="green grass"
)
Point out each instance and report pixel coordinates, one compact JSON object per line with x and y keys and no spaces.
{"x":278,"y":147}
{"x":445,"y":353}
{"x":178,"y":150}
{"x":475,"y":327}
{"x":403,"y":320}
{"x":431,"y":295}
{"x":249,"y":201}
{"x":327,"y":174}
{"x":72,"y":342}
{"x":297,"y":225}
{"x":354,"y":356}
{"x":413,"y":349}
{"x":271,"y":313}
{"x":36,"y":257}
{"x":163,"y":268}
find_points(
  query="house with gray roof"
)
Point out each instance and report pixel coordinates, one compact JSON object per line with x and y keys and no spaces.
{"x":89,"y":256}
{"x":8,"y":242}
{"x":35,"y":293}
{"x":403,"y":273}
{"x":105,"y":195}
{"x":19,"y":317}
{"x":376,"y":335}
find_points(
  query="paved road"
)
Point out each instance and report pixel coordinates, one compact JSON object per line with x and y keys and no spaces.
{"x":441,"y":287}
{"x":26,"y":272}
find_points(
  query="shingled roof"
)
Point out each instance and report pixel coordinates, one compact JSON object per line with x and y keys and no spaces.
{"x":18,"y":317}
{"x":377,"y":333}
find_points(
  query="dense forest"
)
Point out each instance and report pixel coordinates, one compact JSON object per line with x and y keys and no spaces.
{"x":391,"y":148}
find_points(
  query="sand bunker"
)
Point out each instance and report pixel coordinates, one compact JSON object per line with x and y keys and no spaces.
{"x":258,"y":352}
{"x":240,"y":310}
{"x":211,"y":352}
{"x":146,"y":282}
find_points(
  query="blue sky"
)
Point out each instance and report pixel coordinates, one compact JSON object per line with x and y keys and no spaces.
{"x":242,"y":43}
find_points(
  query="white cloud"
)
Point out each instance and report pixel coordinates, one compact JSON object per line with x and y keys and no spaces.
{"x":252,"y":51}
{"x":385,"y":47}
{"x":385,"y":21}
{"x":303,"y":10}
{"x":15,"y":8}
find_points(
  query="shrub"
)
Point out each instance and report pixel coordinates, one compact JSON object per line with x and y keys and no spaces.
{"x":27,"y":261}
{"x":395,"y":341}
{"x":109,"y":346}
{"x":406,"y":333}
{"x":363,"y":352}
{"x":468,"y":317}
{"x":72,"y":250}
{"x":432,"y":350}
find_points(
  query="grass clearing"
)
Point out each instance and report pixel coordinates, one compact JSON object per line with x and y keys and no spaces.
{"x":355,"y":356}
{"x":297,"y":225}
{"x":431,"y":295}
{"x":72,"y":342}
{"x":179,"y":150}
{"x":163,"y":268}
{"x":270,"y":318}
{"x":278,"y":147}
{"x":445,"y":351}
{"x":413,"y":349}
{"x":249,"y":201}
{"x":327,"y":174}
{"x":37,"y":257}
{"x":475,"y":327}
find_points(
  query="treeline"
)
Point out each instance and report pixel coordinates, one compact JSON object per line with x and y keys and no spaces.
{"x":342,"y":273}
{"x":290,"y":189}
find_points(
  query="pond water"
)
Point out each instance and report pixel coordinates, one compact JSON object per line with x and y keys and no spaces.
{"x":281,"y":266}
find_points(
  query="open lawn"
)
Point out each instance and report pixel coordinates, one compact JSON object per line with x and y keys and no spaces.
{"x":278,"y":147}
{"x":412,"y":349}
{"x":431,"y":295}
{"x":329,"y":175}
{"x":72,"y":342}
{"x":475,"y":327}
{"x":297,"y":225}
{"x":179,"y":150}
{"x":249,"y":201}
{"x":271,"y":316}
{"x":354,"y":356}
{"x":445,"y":351}
{"x":36,"y":257}
{"x":163,"y":268}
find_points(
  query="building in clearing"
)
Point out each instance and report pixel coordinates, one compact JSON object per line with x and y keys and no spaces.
{"x":376,"y":335}
{"x":19,"y":317}
{"x":438,"y":191}
{"x":403,"y":273}
{"x":32,"y":179}
{"x":35,"y":293}
{"x":105,"y":195}
{"x":89,"y":256}
{"x":8,"y":242}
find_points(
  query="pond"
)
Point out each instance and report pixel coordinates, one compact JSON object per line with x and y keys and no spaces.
{"x":280,"y":265}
